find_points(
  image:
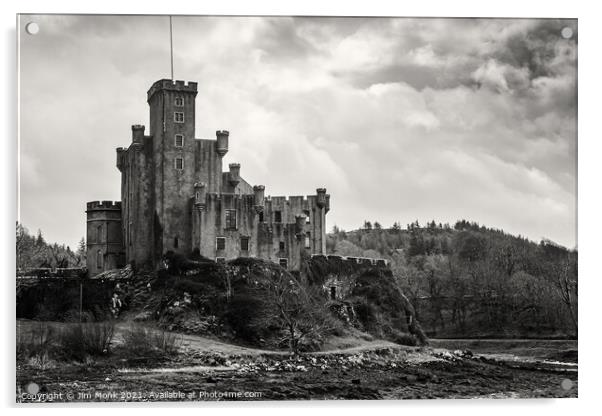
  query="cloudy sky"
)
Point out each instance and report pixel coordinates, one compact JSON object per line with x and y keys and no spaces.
{"x":400,"y":119}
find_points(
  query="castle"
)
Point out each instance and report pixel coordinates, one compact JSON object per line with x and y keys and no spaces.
{"x":175,"y":197}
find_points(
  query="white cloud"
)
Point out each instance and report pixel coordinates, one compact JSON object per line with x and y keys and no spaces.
{"x":400,"y":119}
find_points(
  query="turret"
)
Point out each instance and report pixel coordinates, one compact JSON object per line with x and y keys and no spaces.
{"x":104,"y":236}
{"x":321,"y":197}
{"x":120,"y":152}
{"x":137,"y":133}
{"x":234,"y":174}
{"x":258,"y":197}
{"x":200,"y":195}
{"x":222,"y":142}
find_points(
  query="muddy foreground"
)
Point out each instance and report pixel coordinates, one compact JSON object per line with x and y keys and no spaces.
{"x":391,"y":372}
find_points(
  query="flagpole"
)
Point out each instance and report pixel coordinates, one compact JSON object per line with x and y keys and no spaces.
{"x":171,"y":45}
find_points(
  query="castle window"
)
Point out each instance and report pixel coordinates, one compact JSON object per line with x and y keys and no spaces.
{"x":261,"y":216}
{"x":220,"y":260}
{"x":308,"y":240}
{"x":333,"y":292}
{"x":99,"y":234}
{"x":244,"y":243}
{"x":281,"y":246}
{"x":277,"y":216}
{"x":99,"y":260}
{"x":178,"y":117}
{"x":231,"y":219}
{"x":220,"y":243}
{"x":175,"y":242}
{"x":179,"y":140}
{"x":179,"y":163}
{"x":283,"y":263}
{"x":179,"y":102}
{"x":306,"y":212}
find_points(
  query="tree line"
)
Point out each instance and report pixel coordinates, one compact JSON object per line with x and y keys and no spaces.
{"x":470,"y":280}
{"x":34,"y":252}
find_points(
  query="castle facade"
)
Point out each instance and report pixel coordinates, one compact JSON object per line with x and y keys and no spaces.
{"x":176,"y":197}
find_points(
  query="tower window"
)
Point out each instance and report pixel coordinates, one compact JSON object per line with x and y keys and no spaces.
{"x":99,"y":260}
{"x":179,"y":102}
{"x":277,"y":216}
{"x":178,"y":117}
{"x":307,"y":240}
{"x":179,"y":163}
{"x":283,"y":263}
{"x":281,"y":246}
{"x":261,"y":216}
{"x":220,"y":243}
{"x":99,"y":234}
{"x":306,"y":213}
{"x":179,"y":140}
{"x":231,"y":219}
{"x":175,"y":242}
{"x":244,"y":243}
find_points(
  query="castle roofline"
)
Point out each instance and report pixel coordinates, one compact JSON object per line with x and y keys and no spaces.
{"x":103,"y":206}
{"x":171,"y":85}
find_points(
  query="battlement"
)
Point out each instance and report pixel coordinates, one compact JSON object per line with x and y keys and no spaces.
{"x":103,"y":206}
{"x":280,"y":200}
{"x":168,"y":84}
{"x":366,"y":261}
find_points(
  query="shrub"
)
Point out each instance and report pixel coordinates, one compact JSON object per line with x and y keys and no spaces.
{"x":87,"y":339}
{"x":139,"y":341}
{"x":168,"y":343}
{"x":403,"y":338}
{"x":41,"y":361}
{"x":36,"y":342}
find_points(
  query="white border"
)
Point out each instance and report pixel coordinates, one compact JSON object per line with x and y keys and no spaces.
{"x":590,"y":234}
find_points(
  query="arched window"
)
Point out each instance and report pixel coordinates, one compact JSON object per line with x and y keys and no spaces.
{"x":99,"y":234}
{"x":99,"y":259}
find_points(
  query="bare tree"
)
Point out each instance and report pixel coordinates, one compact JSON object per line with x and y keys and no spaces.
{"x":296,"y":309}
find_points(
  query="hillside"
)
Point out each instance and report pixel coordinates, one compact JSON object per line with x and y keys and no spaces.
{"x":472,"y":281}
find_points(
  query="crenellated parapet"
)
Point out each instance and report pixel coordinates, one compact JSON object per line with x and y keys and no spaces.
{"x":169,"y":85}
{"x":137,"y":133}
{"x":103,"y":206}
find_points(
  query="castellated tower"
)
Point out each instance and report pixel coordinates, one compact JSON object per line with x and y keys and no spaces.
{"x":104,"y":247}
{"x":176,"y":197}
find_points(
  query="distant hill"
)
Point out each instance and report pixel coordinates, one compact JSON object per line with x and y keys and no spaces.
{"x":470,"y":280}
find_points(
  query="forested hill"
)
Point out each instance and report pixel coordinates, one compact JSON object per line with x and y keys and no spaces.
{"x":470,"y":280}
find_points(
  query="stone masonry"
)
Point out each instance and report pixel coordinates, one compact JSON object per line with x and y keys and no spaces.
{"x":176,"y":197}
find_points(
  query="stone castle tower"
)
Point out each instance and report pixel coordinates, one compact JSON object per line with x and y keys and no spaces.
{"x":176,"y":197}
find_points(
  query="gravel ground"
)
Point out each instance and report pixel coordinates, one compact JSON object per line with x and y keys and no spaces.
{"x":368,"y":373}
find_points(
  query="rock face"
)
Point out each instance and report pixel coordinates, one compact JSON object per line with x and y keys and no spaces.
{"x":242,"y":300}
{"x":368,"y":296}
{"x":232,"y":299}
